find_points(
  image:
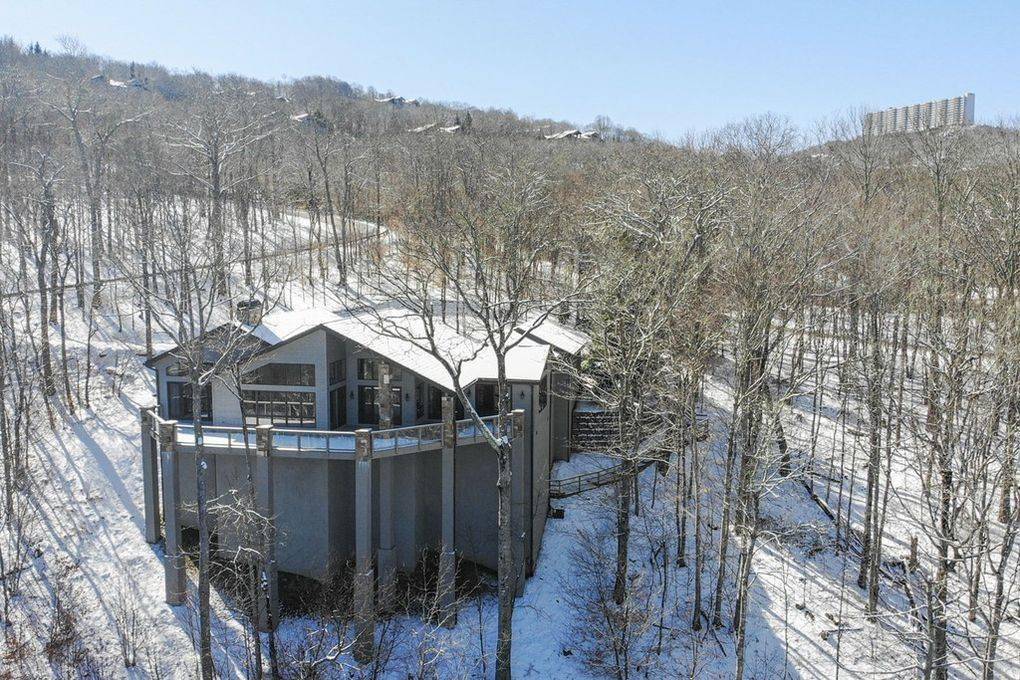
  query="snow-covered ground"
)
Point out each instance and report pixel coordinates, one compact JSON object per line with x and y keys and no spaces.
{"x":806,"y":618}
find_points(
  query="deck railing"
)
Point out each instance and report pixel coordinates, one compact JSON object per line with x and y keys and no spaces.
{"x":323,"y":443}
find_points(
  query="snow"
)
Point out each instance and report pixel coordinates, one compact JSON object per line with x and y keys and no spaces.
{"x":399,"y":336}
{"x":89,"y":538}
{"x":563,"y":338}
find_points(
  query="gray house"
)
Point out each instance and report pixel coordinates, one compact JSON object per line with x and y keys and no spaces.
{"x":362,"y":452}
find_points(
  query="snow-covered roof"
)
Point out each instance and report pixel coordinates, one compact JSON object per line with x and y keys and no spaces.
{"x":283,"y":325}
{"x":574,"y":134}
{"x":563,"y":338}
{"x":397,"y":101}
{"x":399,"y":336}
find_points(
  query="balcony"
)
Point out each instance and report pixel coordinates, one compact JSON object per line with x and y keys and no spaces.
{"x":332,"y":445}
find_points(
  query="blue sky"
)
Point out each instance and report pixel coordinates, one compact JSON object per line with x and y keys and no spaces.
{"x":665,"y":68}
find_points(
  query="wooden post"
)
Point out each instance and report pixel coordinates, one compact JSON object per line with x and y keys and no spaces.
{"x":173,"y":563}
{"x":150,"y":476}
{"x":447,"y":583}
{"x":364,"y":579}
{"x":269,"y":603}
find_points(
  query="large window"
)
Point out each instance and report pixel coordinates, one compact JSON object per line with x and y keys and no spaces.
{"x":337,"y":371}
{"x":291,"y":409}
{"x":435,"y":408}
{"x":368,"y":369}
{"x":397,"y":409}
{"x":368,"y":409}
{"x":180,"y":403}
{"x":302,"y":375}
{"x":337,"y":408}
{"x":485,"y":399}
{"x":368,"y":405}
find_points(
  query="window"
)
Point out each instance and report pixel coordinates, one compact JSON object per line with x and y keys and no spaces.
{"x":368,"y":405}
{"x":397,"y":408}
{"x":485,"y":399}
{"x":435,"y":407}
{"x":337,"y":408}
{"x":176,"y":369}
{"x":180,"y":403}
{"x":543,"y":393}
{"x":337,"y":371}
{"x":368,"y":409}
{"x":281,"y":374}
{"x":368,"y":369}
{"x":264,"y":407}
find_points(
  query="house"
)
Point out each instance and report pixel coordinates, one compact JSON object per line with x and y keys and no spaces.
{"x":363,"y":452}
{"x":397,"y":102}
{"x":312,"y":121}
{"x":575,"y":134}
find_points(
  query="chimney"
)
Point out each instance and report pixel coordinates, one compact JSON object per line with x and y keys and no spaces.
{"x":250,"y":311}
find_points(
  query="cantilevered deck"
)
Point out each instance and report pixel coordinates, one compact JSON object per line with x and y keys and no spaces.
{"x":286,"y":490}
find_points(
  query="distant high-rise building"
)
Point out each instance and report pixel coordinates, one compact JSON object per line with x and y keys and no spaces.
{"x":957,"y":111}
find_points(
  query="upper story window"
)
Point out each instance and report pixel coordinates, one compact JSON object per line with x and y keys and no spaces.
{"x":337,"y":371}
{"x":302,"y":375}
{"x":368,"y":369}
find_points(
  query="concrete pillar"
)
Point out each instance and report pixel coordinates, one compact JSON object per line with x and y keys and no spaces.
{"x":364,"y":579}
{"x":518,"y":496}
{"x":387,"y":553}
{"x":269,"y":603}
{"x":173,"y":563}
{"x":150,"y":476}
{"x":447,"y":582}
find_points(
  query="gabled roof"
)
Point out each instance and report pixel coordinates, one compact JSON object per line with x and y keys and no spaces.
{"x":399,"y":336}
{"x":375,"y":331}
{"x":566,"y":339}
{"x":249,"y":347}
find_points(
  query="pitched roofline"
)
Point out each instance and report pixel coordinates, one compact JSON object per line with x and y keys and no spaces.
{"x":153,"y":360}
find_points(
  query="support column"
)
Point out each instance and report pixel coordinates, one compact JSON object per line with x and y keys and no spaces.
{"x":387,"y":553}
{"x":173,"y":563}
{"x":364,"y":579}
{"x":518,"y":502}
{"x":269,"y":603}
{"x":150,"y":476}
{"x":447,"y":582}
{"x":386,"y":556}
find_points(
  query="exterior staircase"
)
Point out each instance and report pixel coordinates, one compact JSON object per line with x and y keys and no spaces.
{"x":592,"y":429}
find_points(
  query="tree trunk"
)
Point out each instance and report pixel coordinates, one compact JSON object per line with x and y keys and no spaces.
{"x":204,"y":542}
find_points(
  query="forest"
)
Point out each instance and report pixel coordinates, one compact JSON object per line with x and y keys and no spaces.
{"x":840,"y":310}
